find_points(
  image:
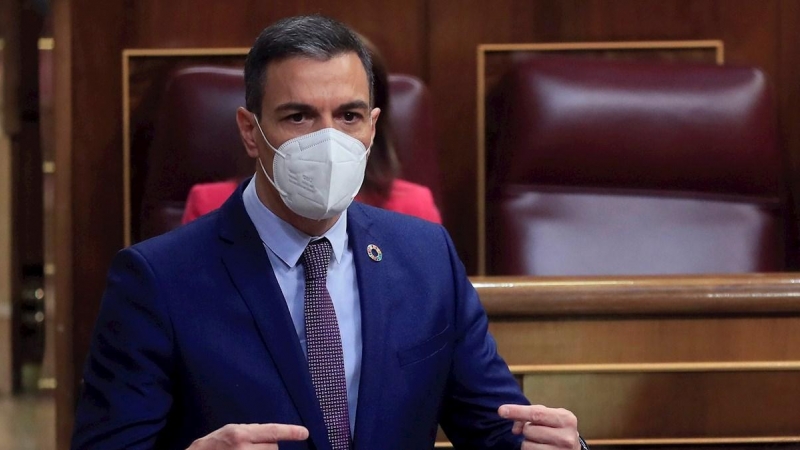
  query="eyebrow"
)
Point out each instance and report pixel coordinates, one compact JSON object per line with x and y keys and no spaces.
{"x":293,"y":106}
{"x":356,"y":104}
{"x":304,"y":107}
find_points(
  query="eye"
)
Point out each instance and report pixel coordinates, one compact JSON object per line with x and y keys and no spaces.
{"x":296,"y":117}
{"x":351,"y":116}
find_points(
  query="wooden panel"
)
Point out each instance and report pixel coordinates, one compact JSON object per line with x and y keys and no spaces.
{"x":397,"y":28}
{"x":674,"y":405}
{"x":95,"y":163}
{"x":606,"y":340}
{"x":5,"y":231}
{"x":87,"y":196}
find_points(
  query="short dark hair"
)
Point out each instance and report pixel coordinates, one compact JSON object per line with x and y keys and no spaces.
{"x":315,"y":36}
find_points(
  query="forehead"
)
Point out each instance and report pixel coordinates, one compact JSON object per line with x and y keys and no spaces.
{"x":340,"y":79}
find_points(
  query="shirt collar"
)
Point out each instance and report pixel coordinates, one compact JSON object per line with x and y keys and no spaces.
{"x":287,"y":242}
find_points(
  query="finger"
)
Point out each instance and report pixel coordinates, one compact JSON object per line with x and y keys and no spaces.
{"x":271,"y":446}
{"x":517,"y":427}
{"x":527,"y":445}
{"x":536,"y":414}
{"x":558,"y":437}
{"x":275,"y":432}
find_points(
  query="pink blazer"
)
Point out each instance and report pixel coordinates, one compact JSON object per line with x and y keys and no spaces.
{"x":405,"y":197}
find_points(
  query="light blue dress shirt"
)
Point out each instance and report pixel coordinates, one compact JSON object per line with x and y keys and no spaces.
{"x":285,"y":245}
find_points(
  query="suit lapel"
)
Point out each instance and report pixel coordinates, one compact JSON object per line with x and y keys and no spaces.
{"x":248,"y":266}
{"x":373,"y":287}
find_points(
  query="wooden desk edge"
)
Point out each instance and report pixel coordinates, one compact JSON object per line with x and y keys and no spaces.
{"x":770,"y":294}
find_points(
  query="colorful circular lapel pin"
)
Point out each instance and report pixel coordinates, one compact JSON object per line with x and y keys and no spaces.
{"x":374,"y":253}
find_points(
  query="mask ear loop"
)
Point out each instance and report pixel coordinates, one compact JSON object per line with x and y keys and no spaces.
{"x":258,"y":125}
{"x":366,"y":156}
{"x":261,"y":164}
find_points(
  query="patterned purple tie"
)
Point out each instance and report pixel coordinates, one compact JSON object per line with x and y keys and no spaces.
{"x":325,"y":356}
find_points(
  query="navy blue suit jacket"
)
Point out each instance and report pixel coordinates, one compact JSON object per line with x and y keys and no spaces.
{"x":194,"y":333}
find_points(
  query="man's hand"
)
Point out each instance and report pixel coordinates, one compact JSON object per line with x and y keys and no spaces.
{"x":543,"y":427}
{"x":250,"y":437}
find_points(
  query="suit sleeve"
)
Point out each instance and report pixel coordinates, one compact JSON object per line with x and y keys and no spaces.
{"x":126,"y":393}
{"x":480,"y":380}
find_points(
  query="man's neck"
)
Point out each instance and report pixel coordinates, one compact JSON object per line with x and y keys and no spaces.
{"x":272,"y":200}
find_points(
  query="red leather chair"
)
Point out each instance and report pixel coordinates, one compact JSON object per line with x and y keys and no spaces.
{"x":414,"y":137}
{"x":600,"y":167}
{"x":195,"y":139}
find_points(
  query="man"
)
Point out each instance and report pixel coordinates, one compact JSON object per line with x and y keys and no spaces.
{"x":292,"y":317}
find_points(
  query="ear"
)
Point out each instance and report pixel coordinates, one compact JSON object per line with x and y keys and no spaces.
{"x":248,"y":131}
{"x":374,"y":114}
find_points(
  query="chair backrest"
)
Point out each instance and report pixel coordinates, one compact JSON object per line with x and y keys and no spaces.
{"x":413,"y":127}
{"x":603,"y":167}
{"x":195,"y":139}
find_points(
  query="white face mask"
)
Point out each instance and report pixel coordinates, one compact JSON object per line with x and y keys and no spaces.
{"x":318,"y":174}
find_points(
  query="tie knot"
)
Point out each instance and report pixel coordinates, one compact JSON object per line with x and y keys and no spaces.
{"x":316,"y":258}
